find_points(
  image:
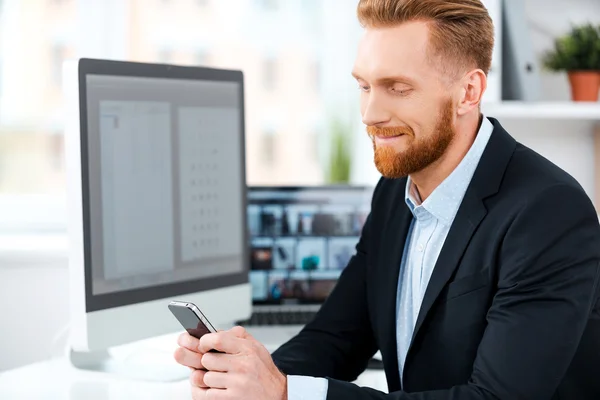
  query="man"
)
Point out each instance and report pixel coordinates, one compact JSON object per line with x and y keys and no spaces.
{"x":477,"y":271}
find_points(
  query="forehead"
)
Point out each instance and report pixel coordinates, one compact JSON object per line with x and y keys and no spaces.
{"x":396,"y":50}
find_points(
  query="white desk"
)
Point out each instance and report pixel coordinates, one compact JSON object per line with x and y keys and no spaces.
{"x":57,"y":379}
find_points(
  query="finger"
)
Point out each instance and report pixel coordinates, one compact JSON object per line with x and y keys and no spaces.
{"x":188,"y":358}
{"x":241,"y":332}
{"x":225,"y":342}
{"x":217,"y":380}
{"x":220,"y":362}
{"x":199,"y":393}
{"x":197,"y":378}
{"x":208,"y":393}
{"x":188,"y":341}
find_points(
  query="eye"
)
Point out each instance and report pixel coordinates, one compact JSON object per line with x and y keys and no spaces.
{"x":363,"y":88}
{"x":399,"y":91}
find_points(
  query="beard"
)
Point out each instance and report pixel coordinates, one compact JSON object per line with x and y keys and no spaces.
{"x":420,"y":153}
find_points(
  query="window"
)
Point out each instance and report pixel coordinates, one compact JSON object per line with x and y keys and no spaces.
{"x":268,"y":149}
{"x":58,"y":58}
{"x":281,"y":60}
{"x":315,"y":75}
{"x":311,"y":5}
{"x":56,"y":145}
{"x":268,"y":5}
{"x":269,"y":71}
{"x":165,"y":56}
{"x":313,"y":148}
{"x":201,"y":57}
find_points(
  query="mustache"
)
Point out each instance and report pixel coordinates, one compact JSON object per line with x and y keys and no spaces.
{"x":389,"y":131}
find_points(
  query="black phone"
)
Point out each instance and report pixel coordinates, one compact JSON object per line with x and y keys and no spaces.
{"x":191,"y":318}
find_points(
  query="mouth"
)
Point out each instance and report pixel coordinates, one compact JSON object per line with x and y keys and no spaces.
{"x":386,"y":138}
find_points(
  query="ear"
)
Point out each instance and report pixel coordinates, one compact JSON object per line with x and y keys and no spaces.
{"x":472,"y":87}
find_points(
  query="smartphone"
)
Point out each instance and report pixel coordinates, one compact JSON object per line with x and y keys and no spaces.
{"x":191,"y":318}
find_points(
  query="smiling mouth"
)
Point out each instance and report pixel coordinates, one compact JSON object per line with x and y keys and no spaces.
{"x":389,"y":137}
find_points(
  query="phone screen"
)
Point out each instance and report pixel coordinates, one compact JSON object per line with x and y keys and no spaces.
{"x":190,"y":321}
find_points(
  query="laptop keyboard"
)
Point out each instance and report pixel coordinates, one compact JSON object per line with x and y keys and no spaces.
{"x":279,"y":317}
{"x":273,"y":316}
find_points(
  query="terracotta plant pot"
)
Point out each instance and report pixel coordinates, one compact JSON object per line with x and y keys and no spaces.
{"x":585,"y":85}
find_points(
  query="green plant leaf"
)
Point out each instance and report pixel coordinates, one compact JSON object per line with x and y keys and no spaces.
{"x":340,"y":154}
{"x":579,"y":50}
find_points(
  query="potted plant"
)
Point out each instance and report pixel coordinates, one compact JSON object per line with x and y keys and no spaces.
{"x":340,"y":153}
{"x":578,"y":53}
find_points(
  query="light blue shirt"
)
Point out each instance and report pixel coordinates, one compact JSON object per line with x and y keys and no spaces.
{"x":427,"y":234}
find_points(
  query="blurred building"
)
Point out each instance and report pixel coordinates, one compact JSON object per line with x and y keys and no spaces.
{"x":280,"y":46}
{"x":35,"y":37}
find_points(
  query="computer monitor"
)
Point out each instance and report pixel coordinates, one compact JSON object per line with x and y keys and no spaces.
{"x":301,"y":240}
{"x":157,"y":200}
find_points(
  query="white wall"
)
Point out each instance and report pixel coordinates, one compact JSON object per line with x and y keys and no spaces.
{"x":33,"y":310}
{"x":34,"y":297}
{"x":569,"y":144}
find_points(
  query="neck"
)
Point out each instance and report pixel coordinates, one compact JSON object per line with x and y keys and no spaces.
{"x":431,"y":177}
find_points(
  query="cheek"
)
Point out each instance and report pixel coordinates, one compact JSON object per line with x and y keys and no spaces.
{"x":418,"y":120}
{"x":364,"y":100}
{"x":412,"y":112}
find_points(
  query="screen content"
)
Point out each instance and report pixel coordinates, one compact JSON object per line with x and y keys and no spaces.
{"x":302,"y":239}
{"x":165,"y":180}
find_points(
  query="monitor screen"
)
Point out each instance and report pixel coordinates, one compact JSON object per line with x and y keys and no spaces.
{"x":165,"y":179}
{"x":301,"y":240}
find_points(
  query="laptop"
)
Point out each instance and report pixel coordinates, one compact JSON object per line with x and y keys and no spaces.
{"x":301,"y":239}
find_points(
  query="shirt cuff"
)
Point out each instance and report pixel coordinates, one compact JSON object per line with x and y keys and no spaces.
{"x":306,"y":388}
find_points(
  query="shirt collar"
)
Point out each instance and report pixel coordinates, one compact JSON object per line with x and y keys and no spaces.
{"x":444,"y":201}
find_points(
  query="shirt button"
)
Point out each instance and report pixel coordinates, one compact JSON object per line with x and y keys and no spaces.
{"x":421,"y":247}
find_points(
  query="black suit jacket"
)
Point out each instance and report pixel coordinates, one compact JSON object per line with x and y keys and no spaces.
{"x":512,"y":310}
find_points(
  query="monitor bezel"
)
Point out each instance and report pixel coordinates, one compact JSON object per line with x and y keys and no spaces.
{"x":88,"y":66}
{"x":314,"y":188}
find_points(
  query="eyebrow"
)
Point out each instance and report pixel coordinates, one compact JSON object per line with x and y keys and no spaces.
{"x":389,"y":80}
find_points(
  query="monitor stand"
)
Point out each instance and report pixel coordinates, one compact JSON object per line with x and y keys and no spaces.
{"x":104,"y":362}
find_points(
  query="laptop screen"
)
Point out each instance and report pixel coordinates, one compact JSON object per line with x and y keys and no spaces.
{"x":301,"y":240}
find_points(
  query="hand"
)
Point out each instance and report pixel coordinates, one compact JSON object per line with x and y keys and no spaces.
{"x":244,"y":369}
{"x":188,"y":353}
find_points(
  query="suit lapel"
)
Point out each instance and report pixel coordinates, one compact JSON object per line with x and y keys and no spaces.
{"x":469,"y":215}
{"x":395,"y":234}
{"x":485,"y":182}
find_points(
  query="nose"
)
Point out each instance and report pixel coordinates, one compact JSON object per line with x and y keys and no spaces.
{"x":374,"y":111}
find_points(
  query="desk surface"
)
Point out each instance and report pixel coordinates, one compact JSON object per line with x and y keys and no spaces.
{"x":58,"y":379}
